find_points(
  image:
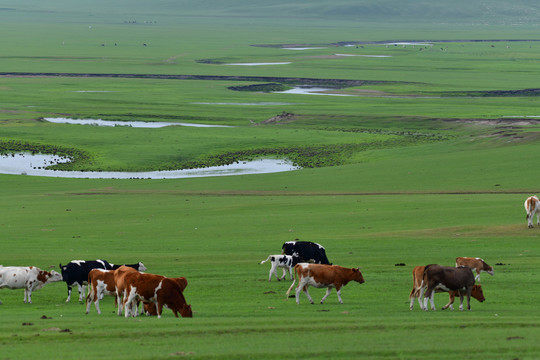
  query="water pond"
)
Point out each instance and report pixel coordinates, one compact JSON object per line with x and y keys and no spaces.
{"x":135,"y":124}
{"x":35,"y":165}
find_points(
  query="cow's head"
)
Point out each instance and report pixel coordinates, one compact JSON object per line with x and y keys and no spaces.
{"x":141,"y":267}
{"x":477,"y":293}
{"x":185,"y":310}
{"x":357,"y":276}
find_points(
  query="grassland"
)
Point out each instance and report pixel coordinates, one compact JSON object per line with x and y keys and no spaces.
{"x":390,"y":198}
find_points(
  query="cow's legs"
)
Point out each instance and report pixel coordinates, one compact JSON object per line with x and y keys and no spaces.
{"x":338,"y":295}
{"x":69,"y":293}
{"x":307,"y":294}
{"x":82,"y":291}
{"x":27,"y":295}
{"x":450,"y":301}
{"x":291,"y":272}
{"x":128,"y":307}
{"x":284,"y":274}
{"x":273,"y":270}
{"x":328,"y":291}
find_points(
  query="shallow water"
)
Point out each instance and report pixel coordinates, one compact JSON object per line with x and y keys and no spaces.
{"x":34,"y":165}
{"x":302,"y":90}
{"x":370,"y":56}
{"x":259,"y":64}
{"x":135,"y":124}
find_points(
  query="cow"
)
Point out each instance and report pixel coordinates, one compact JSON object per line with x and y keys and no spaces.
{"x":286,"y":262}
{"x":100,"y":282}
{"x":476,"y":264}
{"x":418,"y":273}
{"x":157,"y":289}
{"x":138,"y":266}
{"x":532,"y":206}
{"x":150,"y":308}
{"x":306,"y":251}
{"x":447,"y":278}
{"x":29,"y":278}
{"x":323,"y":276}
{"x":121,"y":284}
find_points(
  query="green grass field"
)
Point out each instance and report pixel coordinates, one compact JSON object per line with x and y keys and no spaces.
{"x":430,"y":158}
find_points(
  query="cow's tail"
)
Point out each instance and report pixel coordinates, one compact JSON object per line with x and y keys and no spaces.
{"x":294,"y":281}
{"x":268,"y":258}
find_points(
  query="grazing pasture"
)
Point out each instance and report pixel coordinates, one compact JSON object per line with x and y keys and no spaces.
{"x":430,"y":156}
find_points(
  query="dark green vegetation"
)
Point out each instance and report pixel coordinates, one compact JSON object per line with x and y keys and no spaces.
{"x":429,"y":159}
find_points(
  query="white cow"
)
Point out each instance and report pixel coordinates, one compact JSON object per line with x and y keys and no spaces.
{"x":29,"y":278}
{"x":532,"y":206}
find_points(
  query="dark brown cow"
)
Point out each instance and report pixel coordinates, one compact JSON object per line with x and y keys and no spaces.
{"x":323,"y":276}
{"x":418,"y":273}
{"x":447,"y":278}
{"x":476,"y":264}
{"x":151,"y":288}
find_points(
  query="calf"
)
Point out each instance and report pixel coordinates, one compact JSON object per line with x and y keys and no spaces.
{"x":447,"y":278}
{"x":76,"y":273}
{"x":157,"y":289}
{"x":281,"y":261}
{"x":306,"y":251}
{"x":418,"y":273}
{"x":532,"y":206}
{"x":29,"y":278}
{"x":323,"y":276}
{"x":476,"y":264}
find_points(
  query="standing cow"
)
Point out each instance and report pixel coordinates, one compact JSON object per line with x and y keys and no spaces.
{"x":475,"y":264}
{"x":532,"y":206}
{"x":286,"y":262}
{"x":29,"y":278}
{"x":447,"y":278}
{"x":323,"y":276}
{"x":306,"y":251}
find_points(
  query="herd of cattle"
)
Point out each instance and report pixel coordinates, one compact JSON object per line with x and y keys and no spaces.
{"x":128,"y":283}
{"x":131,"y":286}
{"x":311,"y":267}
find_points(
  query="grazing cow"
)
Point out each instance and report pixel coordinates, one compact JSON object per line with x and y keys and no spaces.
{"x":150,"y":308}
{"x":306,"y":251}
{"x":418,"y":273}
{"x":532,"y":206}
{"x":281,"y":261}
{"x":476,"y":264}
{"x":151,"y":288}
{"x":29,"y":278}
{"x":320,"y":276}
{"x":447,"y":278}
{"x":76,"y":273}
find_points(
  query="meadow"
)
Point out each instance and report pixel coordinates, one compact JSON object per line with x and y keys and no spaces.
{"x":430,"y":158}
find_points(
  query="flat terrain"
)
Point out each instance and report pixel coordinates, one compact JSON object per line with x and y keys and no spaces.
{"x":417,"y":152}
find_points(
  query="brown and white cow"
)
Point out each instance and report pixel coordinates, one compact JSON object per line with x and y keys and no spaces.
{"x":532,"y":206}
{"x":447,"y":278}
{"x":476,"y":264}
{"x":418,"y":273}
{"x":101,"y":282}
{"x":121,"y":285}
{"x":157,"y":289}
{"x":323,"y":276}
{"x":150,"y":308}
{"x":29,"y":278}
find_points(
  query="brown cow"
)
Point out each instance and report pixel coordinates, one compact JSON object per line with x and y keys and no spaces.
{"x":121,"y":285}
{"x":101,"y":282}
{"x":447,"y":278}
{"x":150,"y":308}
{"x":155,"y":289}
{"x":418,"y":273}
{"x":320,"y":276}
{"x":532,"y":206}
{"x":476,"y":264}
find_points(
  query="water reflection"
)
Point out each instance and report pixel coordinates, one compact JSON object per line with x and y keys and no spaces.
{"x":35,"y":165}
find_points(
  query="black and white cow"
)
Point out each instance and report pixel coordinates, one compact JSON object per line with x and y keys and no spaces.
{"x":76,"y":273}
{"x":281,"y":261}
{"x":306,"y":251}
